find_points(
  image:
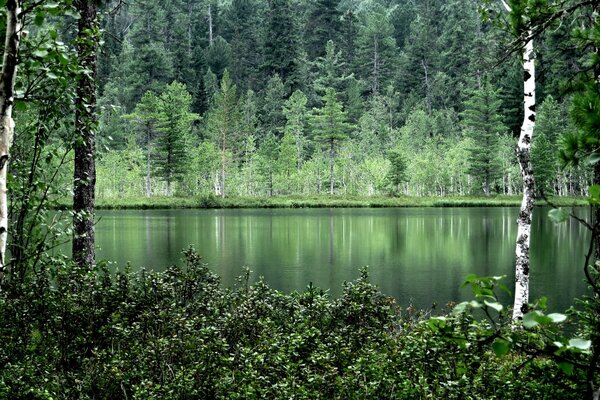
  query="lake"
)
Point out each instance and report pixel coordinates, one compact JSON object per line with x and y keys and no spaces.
{"x":418,"y":255}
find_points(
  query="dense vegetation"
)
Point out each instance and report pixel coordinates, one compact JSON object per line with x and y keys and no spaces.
{"x":180,"y":335}
{"x":282,"y":97}
{"x":309,"y":97}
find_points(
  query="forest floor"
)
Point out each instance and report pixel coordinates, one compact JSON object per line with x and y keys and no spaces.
{"x":322,"y":201}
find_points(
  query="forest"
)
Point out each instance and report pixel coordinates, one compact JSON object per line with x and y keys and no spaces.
{"x":204,"y":102}
{"x":323,"y":97}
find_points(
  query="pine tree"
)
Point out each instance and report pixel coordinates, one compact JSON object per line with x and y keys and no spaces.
{"x":483,"y":123}
{"x":324,"y":25}
{"x":377,"y":51}
{"x":241,"y":31}
{"x":281,"y":44}
{"x":330,"y":127}
{"x":330,"y":71}
{"x":543,"y":159}
{"x":170,"y":160}
{"x":272,"y":119}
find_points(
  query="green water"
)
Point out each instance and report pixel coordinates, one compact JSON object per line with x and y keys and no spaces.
{"x":418,"y":255}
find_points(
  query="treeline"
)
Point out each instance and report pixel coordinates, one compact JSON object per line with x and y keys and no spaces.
{"x":260,"y":98}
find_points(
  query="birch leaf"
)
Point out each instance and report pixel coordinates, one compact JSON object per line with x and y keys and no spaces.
{"x":557,"y":318}
{"x":580,"y":344}
{"x":495,"y":305}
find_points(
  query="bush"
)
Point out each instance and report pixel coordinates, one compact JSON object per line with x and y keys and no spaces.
{"x":178,"y":334}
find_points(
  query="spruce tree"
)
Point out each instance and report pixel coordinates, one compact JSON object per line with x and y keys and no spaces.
{"x":281,"y":46}
{"x":483,"y":123}
{"x":324,"y":24}
{"x":170,"y":160}
{"x":330,"y":128}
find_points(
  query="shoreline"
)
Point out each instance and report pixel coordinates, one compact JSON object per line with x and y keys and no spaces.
{"x":212,"y":202}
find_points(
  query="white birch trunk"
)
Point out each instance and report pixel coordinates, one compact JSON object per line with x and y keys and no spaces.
{"x":526,"y":212}
{"x":523,"y":154}
{"x":7,"y":125}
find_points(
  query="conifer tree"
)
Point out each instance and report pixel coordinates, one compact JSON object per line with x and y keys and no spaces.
{"x":281,"y":44}
{"x":170,"y":160}
{"x":272,"y":119}
{"x":324,"y":25}
{"x":483,"y":123}
{"x":330,"y":128}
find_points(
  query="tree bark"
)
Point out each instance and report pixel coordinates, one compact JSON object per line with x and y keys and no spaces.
{"x":526,"y":211}
{"x":7,"y":125}
{"x":84,"y":177}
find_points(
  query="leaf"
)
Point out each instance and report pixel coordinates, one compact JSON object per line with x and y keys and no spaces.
{"x":40,"y":53}
{"x":593,"y":159}
{"x":557,"y":318}
{"x":580,"y":344}
{"x":566,"y":367}
{"x":558,"y":215}
{"x":529,"y":319}
{"x":51,"y":4}
{"x":495,"y":305}
{"x":500,"y":347}
{"x":594,"y":198}
{"x":39,"y":19}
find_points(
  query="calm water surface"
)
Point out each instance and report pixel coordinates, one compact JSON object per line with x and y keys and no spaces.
{"x":418,"y":255}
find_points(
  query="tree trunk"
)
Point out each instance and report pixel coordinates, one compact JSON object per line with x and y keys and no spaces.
{"x":526,"y":212}
{"x":148,"y":170}
{"x":331,"y":167}
{"x":375,"y":65}
{"x":7,"y":125}
{"x":84,"y":182}
{"x":210,"y":25}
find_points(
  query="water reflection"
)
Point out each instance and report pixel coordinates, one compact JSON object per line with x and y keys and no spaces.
{"x":420,"y":254}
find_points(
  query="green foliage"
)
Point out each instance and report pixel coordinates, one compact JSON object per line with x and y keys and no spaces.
{"x":77,"y":333}
{"x":484,"y":126}
{"x":174,"y":123}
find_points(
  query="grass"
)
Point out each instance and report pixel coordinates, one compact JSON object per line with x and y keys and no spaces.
{"x":322,"y":201}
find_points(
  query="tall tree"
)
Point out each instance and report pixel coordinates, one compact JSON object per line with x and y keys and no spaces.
{"x":224,"y":125}
{"x":517,"y":11}
{"x":241,"y":31}
{"x":281,"y":47}
{"x":146,"y":120}
{"x":174,"y":128}
{"x":295,"y":113}
{"x":484,"y":126}
{"x":376,"y":47}
{"x":330,"y":127}
{"x":84,"y":177}
{"x":12,"y":43}
{"x":324,"y":24}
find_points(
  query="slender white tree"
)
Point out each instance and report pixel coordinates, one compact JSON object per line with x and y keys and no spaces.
{"x":523,"y":154}
{"x":7,"y":125}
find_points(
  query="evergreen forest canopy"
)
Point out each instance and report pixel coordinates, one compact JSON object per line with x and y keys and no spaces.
{"x":262,"y":98}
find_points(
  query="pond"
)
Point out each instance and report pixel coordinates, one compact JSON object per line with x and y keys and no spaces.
{"x":418,"y":255}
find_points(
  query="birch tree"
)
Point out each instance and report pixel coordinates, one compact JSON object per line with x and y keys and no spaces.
{"x":7,"y":86}
{"x":523,"y":154}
